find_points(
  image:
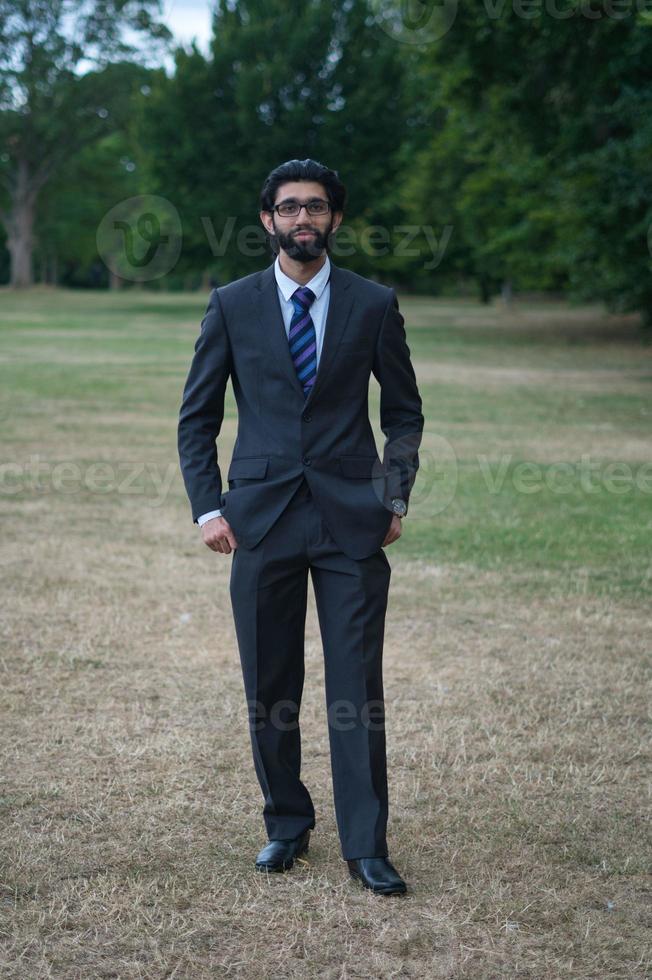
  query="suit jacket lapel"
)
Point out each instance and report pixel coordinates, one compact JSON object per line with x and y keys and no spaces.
{"x":337,"y":318}
{"x":272,"y":327}
{"x":270,"y":317}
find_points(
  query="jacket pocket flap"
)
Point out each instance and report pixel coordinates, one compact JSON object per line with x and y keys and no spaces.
{"x":250,"y":468}
{"x":357,"y":467}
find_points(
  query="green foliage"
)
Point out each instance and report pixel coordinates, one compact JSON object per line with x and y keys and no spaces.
{"x":49,"y":113}
{"x":516,"y":148}
{"x":542,"y":161}
{"x":284,"y":80}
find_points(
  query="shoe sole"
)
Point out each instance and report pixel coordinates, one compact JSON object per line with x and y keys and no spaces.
{"x":279,"y":868}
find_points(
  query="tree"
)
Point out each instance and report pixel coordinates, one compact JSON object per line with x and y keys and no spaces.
{"x":546,"y":124}
{"x":76,"y":199}
{"x":48,"y":112}
{"x":285,"y":79}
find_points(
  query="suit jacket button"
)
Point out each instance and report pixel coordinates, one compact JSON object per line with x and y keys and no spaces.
{"x":307,"y":418}
{"x":307,"y":461}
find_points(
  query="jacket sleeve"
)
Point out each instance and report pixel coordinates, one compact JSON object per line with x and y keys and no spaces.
{"x":202,"y":412}
{"x":400,"y":404}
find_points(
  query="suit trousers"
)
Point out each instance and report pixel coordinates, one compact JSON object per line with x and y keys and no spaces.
{"x":269,"y":590}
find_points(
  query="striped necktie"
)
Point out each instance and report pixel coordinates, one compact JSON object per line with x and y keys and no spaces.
{"x":303,"y":339}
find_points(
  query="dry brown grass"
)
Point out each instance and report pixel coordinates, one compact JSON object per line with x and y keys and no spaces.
{"x":131,"y":815}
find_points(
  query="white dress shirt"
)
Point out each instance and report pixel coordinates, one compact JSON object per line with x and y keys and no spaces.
{"x":286,"y":286}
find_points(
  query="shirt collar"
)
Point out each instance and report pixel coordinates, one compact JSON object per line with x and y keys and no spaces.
{"x":288,"y":286}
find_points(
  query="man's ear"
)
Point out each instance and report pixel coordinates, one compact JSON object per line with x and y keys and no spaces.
{"x":266,"y":219}
{"x":338,"y":216}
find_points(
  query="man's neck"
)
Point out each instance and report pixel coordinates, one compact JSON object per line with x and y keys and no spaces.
{"x":301,"y":272}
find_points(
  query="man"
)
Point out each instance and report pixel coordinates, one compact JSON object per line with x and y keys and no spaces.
{"x":307,"y":491}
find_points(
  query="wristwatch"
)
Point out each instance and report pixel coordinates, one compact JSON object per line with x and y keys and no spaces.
{"x":399,"y":506}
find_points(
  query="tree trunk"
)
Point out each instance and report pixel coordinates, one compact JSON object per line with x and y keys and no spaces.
{"x":20,"y":228}
{"x":485,"y":289}
{"x":20,"y":243}
{"x":115,"y":281}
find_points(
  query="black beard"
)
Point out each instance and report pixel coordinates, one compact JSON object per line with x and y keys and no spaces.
{"x":302,"y":251}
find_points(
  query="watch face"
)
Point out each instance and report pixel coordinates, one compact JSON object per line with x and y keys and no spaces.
{"x":399,"y":506}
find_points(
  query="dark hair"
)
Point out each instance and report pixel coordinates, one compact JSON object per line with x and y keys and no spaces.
{"x":303,"y":170}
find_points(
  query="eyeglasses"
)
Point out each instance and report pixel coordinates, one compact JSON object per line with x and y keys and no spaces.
{"x":290,"y":209}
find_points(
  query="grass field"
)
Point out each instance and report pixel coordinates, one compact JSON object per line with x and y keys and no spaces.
{"x":516,"y":666}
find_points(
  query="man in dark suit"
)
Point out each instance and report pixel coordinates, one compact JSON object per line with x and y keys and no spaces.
{"x":307,"y":491}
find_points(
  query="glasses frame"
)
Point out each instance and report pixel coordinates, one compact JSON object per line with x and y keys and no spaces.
{"x":300,"y":206}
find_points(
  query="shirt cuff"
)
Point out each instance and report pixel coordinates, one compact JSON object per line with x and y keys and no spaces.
{"x":208,"y":516}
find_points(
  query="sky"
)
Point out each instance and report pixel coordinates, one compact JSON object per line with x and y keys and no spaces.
{"x":187,"y":19}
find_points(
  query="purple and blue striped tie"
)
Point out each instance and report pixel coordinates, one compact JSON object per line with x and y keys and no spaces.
{"x":303,"y":339}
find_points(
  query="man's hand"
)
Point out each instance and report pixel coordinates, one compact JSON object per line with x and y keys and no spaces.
{"x":218,"y":536}
{"x":392,"y":535}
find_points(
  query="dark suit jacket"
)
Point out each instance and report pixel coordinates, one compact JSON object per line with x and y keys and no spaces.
{"x":283,"y":436}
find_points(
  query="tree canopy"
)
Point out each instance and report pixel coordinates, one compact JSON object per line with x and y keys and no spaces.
{"x":509,"y":149}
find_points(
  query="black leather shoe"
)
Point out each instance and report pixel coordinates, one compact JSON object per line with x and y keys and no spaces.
{"x":378,"y":874}
{"x":279,"y":855}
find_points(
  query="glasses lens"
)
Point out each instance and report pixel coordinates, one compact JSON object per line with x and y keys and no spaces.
{"x":291,"y":209}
